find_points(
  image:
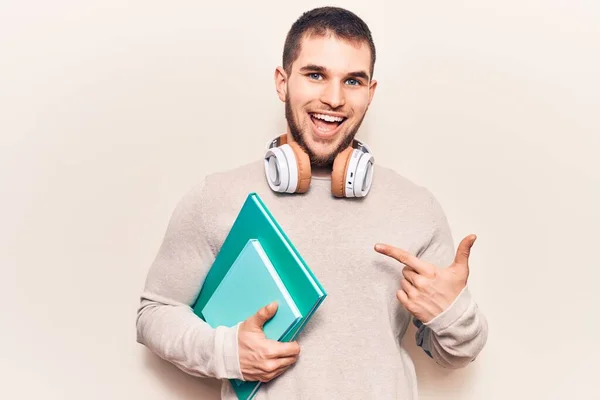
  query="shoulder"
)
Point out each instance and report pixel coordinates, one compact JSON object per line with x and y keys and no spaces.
{"x":409,"y":201}
{"x":248,"y":174}
{"x":222,"y":189}
{"x":393,"y":185}
{"x":216,"y":197}
{"x":395,"y":191}
{"x":236,"y":182}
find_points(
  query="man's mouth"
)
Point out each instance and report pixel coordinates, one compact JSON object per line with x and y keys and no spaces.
{"x":326,"y":124}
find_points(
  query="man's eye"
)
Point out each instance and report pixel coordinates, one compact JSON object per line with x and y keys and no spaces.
{"x":353,"y":82}
{"x":315,"y":76}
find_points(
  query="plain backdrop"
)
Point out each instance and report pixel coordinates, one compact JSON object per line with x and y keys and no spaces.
{"x":110,"y":111}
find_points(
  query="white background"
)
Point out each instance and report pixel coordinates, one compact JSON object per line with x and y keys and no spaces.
{"x":109,"y":112}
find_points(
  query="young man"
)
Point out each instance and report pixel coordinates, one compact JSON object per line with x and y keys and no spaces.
{"x":338,"y":216}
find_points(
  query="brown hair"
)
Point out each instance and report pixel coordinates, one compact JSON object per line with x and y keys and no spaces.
{"x":322,"y":21}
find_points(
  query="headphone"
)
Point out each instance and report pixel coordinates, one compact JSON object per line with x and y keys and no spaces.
{"x":287,"y":168}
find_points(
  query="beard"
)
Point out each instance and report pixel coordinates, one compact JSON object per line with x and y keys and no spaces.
{"x":317,"y":160}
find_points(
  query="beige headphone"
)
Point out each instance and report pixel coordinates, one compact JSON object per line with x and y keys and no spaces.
{"x":287,"y":168}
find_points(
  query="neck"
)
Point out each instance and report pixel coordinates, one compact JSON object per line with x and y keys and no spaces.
{"x":316,"y":171}
{"x":321,"y":172}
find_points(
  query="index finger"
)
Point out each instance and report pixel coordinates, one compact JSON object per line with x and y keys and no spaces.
{"x":285,"y":349}
{"x":404,"y":257}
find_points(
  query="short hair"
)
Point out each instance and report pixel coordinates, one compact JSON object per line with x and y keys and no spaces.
{"x":321,"y":21}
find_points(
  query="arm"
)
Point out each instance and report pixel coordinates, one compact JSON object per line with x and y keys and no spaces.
{"x":457,"y":335}
{"x":165,"y":322}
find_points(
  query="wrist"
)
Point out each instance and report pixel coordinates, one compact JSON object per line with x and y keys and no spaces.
{"x":453,"y":312}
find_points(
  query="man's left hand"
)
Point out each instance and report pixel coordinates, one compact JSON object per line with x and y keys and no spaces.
{"x":426,"y":290}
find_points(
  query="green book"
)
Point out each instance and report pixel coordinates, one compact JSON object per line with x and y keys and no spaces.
{"x":250,"y":284}
{"x":255,"y":226}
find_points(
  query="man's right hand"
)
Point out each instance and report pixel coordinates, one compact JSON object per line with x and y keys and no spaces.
{"x":262,"y":359}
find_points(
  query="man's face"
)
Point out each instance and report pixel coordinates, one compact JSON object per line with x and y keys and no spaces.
{"x":326,"y":94}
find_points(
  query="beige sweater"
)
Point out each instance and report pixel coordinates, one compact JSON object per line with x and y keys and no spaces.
{"x":351,"y":348}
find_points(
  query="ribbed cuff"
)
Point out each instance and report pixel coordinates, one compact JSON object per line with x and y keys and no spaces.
{"x":227,"y":366}
{"x":450,"y":315}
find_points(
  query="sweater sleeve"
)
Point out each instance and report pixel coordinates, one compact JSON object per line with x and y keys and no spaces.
{"x":166,"y":323}
{"x":455,"y":337}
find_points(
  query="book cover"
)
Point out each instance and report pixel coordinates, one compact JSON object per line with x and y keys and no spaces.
{"x":255,"y":221}
{"x":250,"y":284}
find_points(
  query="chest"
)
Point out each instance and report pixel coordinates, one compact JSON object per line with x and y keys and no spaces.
{"x":336,"y":238}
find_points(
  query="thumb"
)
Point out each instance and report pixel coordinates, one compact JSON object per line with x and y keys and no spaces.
{"x":464,"y":250}
{"x":264,"y":314}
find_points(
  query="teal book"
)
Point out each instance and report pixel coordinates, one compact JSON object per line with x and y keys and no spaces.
{"x":255,"y":222}
{"x":252,"y":283}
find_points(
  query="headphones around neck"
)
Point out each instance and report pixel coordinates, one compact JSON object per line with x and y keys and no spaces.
{"x":287,"y":168}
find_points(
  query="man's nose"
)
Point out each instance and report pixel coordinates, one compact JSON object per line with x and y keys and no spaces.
{"x":333,"y":95}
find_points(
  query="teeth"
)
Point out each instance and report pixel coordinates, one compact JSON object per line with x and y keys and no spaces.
{"x":328,"y":118}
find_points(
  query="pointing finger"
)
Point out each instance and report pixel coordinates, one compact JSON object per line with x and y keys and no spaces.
{"x":405,"y":258}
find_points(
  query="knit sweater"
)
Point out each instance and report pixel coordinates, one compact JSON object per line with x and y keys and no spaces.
{"x":351,"y":348}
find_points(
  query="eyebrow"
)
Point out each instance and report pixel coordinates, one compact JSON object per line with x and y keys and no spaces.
{"x":318,"y":68}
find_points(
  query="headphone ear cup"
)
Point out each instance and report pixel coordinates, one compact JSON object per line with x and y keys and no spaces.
{"x":277,"y":170}
{"x":281,"y":170}
{"x":338,"y":175}
{"x":303,"y":167}
{"x":363,"y":174}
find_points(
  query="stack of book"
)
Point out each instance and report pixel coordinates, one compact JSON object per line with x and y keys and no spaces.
{"x":256,"y":265}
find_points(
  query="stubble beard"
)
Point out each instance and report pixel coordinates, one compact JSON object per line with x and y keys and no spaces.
{"x":316,"y":160}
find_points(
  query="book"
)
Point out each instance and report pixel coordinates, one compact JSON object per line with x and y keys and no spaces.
{"x":255,"y":222}
{"x":250,"y":284}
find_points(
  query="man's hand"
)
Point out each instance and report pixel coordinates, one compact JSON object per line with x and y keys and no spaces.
{"x":262,"y":359}
{"x":426,"y":290}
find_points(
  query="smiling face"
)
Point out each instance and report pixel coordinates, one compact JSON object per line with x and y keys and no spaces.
{"x":326,"y":93}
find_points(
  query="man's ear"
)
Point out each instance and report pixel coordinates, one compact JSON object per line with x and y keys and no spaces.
{"x":281,"y":83}
{"x":372,"y":87}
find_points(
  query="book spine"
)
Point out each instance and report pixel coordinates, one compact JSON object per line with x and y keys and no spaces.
{"x":311,"y":276}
